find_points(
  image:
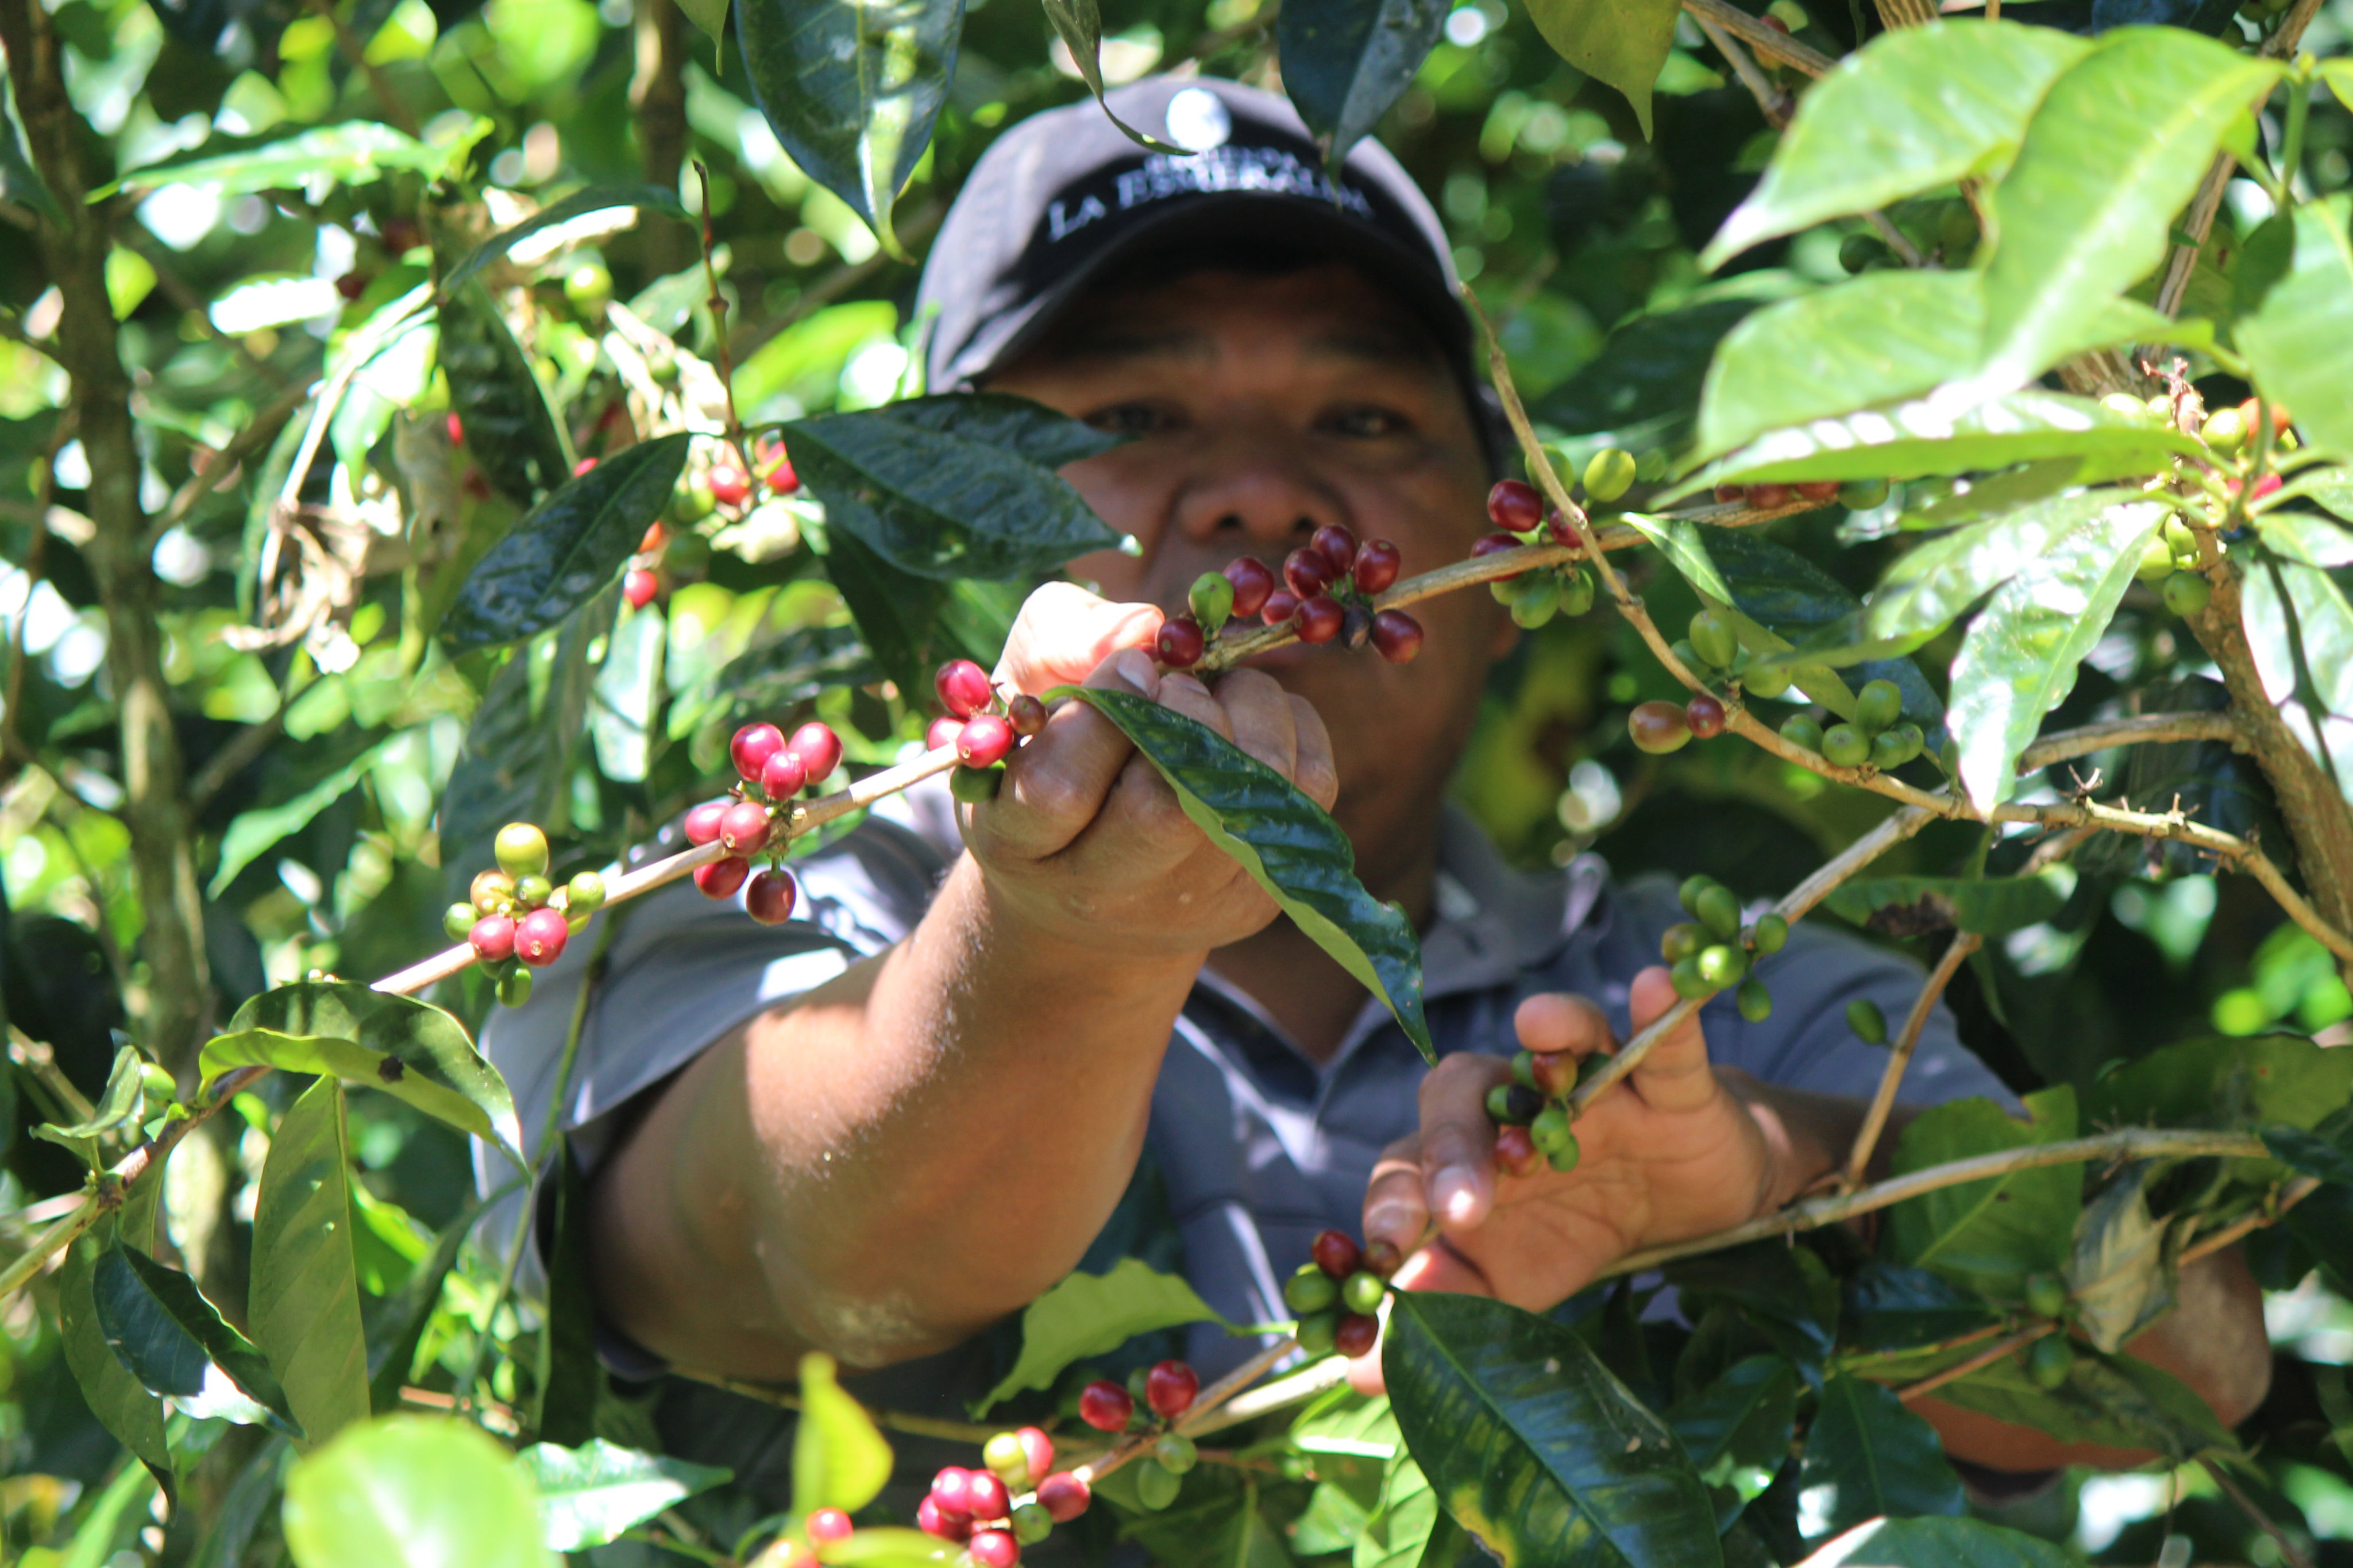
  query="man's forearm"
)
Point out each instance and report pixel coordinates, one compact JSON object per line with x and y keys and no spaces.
{"x":896,"y":1158}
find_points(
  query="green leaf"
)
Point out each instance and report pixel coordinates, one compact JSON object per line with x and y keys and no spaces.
{"x":2293,"y":289}
{"x":579,"y":204}
{"x":1079,"y":23}
{"x":1938,"y":1543}
{"x":1532,"y":1446}
{"x":851,"y":89}
{"x":898,"y":613}
{"x":1876,"y":1456}
{"x":2300,"y":630}
{"x":304,"y":1297}
{"x":118,"y":1107}
{"x":1621,"y":42}
{"x":1650,"y":369}
{"x":711,"y":16}
{"x":1893,"y":1307}
{"x":2119,"y":1402}
{"x":1990,"y":906}
{"x":840,"y":1459}
{"x":2304,"y":537}
{"x":565,"y":1408}
{"x":625,"y":703}
{"x":175,"y":1343}
{"x":1396,"y":1531}
{"x":1743,"y":1417}
{"x":410,"y":1050}
{"x":566,"y":548}
{"x":356,"y":153}
{"x":413,"y":1491}
{"x":254,"y":832}
{"x":955,"y":486}
{"x":2020,"y":656}
{"x":19,"y":182}
{"x":2117,"y":146}
{"x":1093,"y":1314}
{"x":589,"y":1495}
{"x":1287,"y":843}
{"x":510,"y":429}
{"x":2271,"y":1079}
{"x":1345,"y":63}
{"x":396,"y":1325}
{"x":2310,"y":1155}
{"x":1916,"y":109}
{"x":122,"y":1403}
{"x":1987,"y":1236}
{"x":2121,"y":1272}
{"x":1685,"y":546}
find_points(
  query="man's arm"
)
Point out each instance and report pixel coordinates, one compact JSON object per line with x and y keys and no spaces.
{"x":887,"y":1164}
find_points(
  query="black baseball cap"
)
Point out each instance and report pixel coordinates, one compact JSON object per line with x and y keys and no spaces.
{"x":1065,"y":198}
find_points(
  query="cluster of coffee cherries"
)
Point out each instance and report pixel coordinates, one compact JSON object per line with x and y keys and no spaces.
{"x":1337,"y":1293}
{"x":1324,"y":595}
{"x":982,"y":725}
{"x":1855,"y":495}
{"x":1152,"y":1401}
{"x":1713,"y":951}
{"x":984,"y":1511}
{"x":1710,"y":650}
{"x":2050,"y":1359}
{"x":640,"y":584}
{"x":515,"y":919}
{"x":1518,"y":510}
{"x":772,"y":470}
{"x":775,"y":770}
{"x":1878,"y":734}
{"x":1532,"y":1114}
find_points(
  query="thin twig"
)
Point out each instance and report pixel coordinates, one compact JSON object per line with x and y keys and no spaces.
{"x":2290,"y":1553}
{"x":890,"y":1420}
{"x":1883,"y":1103}
{"x":1282,"y":1393}
{"x":1984,"y":1358}
{"x":216,"y":471}
{"x":2144,"y":729}
{"x":2294,"y":1193}
{"x":1769,"y":41}
{"x":1771,"y":101}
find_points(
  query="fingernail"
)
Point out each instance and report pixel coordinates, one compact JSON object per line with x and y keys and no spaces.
{"x":1454,"y":1195}
{"x":1136,"y":668}
{"x":1188,"y":682}
{"x":1388,"y":1222}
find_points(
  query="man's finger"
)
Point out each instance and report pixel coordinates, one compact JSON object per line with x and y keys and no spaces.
{"x":1558,"y":1021}
{"x":1064,"y":633}
{"x":1316,"y":773}
{"x":1457,"y":1139}
{"x":1395,"y":1209}
{"x":1186,"y":695}
{"x":1675,"y":1074}
{"x":1057,"y":784}
{"x":1259,"y":713}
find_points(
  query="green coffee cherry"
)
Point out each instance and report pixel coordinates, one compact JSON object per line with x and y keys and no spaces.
{"x":1031,"y":1523}
{"x":1318,"y":1333}
{"x":1610,"y":475}
{"x":533,"y":891}
{"x":1869,"y":1024}
{"x":588,"y":286}
{"x":2225,"y":431}
{"x":2187,"y":592}
{"x":1523,"y":1069}
{"x":2048,"y":1360}
{"x":1719,"y":911}
{"x":1878,"y":706}
{"x":1686,"y":655}
{"x":2127,"y":404}
{"x":1310,"y":1290}
{"x":2155,"y":560}
{"x":1888,"y":750}
{"x":1652,"y":465}
{"x":1768,"y":681}
{"x":2179,"y":538}
{"x":1771,"y":933}
{"x":1176,"y":1453}
{"x":1211,"y":601}
{"x":1688,"y":983}
{"x":2046,"y":1295}
{"x":1755,"y":1002}
{"x":1915,"y":740}
{"x":459,"y":921}
{"x":1722,"y":965}
{"x":1564,"y":1159}
{"x":1713,"y":638}
{"x":1575,"y":591}
{"x":1550,"y":1129}
{"x":1682,"y":941}
{"x":1156,"y":1486}
{"x":1501,"y":1109}
{"x":1361,"y":1292}
{"x":1688,"y":892}
{"x":1863,"y":495}
{"x":691,"y":502}
{"x":1862,"y":252}
{"x":514,"y":987}
{"x":1957,"y":232}
{"x":975,"y":787}
{"x":1802,"y":729}
{"x":1845,"y":746}
{"x":1537,"y":601}
{"x":584,"y":894}
{"x":521,"y":850}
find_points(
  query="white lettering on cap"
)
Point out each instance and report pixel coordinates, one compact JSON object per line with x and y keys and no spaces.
{"x":1198,"y":119}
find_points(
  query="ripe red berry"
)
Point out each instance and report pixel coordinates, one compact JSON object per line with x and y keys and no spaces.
{"x":819,"y":749}
{"x":1336,"y":1252}
{"x":963,"y":687}
{"x":1065,"y":1496}
{"x":729,"y":486}
{"x":1818,"y":489}
{"x":993,"y":1549}
{"x":753,"y":746}
{"x":638,"y":586}
{"x":1180,"y":643}
{"x":703,"y":822}
{"x":781,"y":776}
{"x":493,"y":938}
{"x":583,"y":465}
{"x":1396,"y":634}
{"x":1037,"y":1452}
{"x":1336,"y":544}
{"x":946,"y":1526}
{"x":1106,"y":1405}
{"x":1658,"y":727}
{"x":1280,"y":606}
{"x":1169,"y":1388}
{"x":457,"y":429}
{"x":1252,"y":583}
{"x":352,"y":285}
{"x":1382,"y":1259}
{"x":1766,"y":498}
{"x":1775,"y":23}
{"x":1026,"y":714}
{"x":1517,"y":1153}
{"x":540,"y":940}
{"x":990,"y":1499}
{"x":827,"y":1525}
{"x":782,"y":481}
{"x":745,"y":830}
{"x":952,"y":1492}
{"x":722,"y":877}
{"x":1357,"y":1334}
{"x":1493,"y":543}
{"x":1705,"y":714}
{"x":984,"y":740}
{"x":1515,"y":506}
{"x":942,"y":731}
{"x":1306,"y":572}
{"x":1552,"y":1073}
{"x":770,"y":898}
{"x":657,"y":534}
{"x":1319,"y":618}
{"x":1377,"y":566}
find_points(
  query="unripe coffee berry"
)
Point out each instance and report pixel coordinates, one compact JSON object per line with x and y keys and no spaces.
{"x":771,"y":896}
{"x":2225,"y":431}
{"x":1863,"y":495}
{"x":1610,"y":475}
{"x":1169,"y":1388}
{"x":827,"y":1525}
{"x":1337,"y":546}
{"x":703,"y":822}
{"x":1155,"y":1487}
{"x":1869,"y":1024}
{"x":1377,"y":566}
{"x":1002,"y":1454}
{"x":1065,"y":1496}
{"x":819,"y":749}
{"x":540,"y":939}
{"x":1306,"y":572}
{"x":1718,"y":907}
{"x":530,"y":893}
{"x":753,"y":746}
{"x":1176,"y":1453}
{"x":721,"y":878}
{"x":1031,"y":1524}
{"x":1704,"y":716}
{"x":1658,"y":727}
{"x":963,"y":688}
{"x":984,"y":740}
{"x":1180,"y":643}
{"x":1211,"y":600}
{"x":2049,"y":1361}
{"x":1396,"y":634}
{"x":1508,"y":1105}
{"x":1106,"y":1405}
{"x":1536,"y":599}
{"x":744,"y":830}
{"x":987,"y":1494}
{"x":1337,"y":1253}
{"x":514,"y":988}
{"x":1889,"y":748}
{"x":640,"y":587}
{"x":1362,"y":1292}
{"x":1310,"y":1290}
{"x":1722,"y":965}
{"x":2187,"y":592}
{"x":1382,"y":1259}
{"x":458,"y":920}
{"x":521,"y":849}
{"x":1771,"y":933}
{"x":491,"y":890}
{"x":1878,"y":706}
{"x":1685,"y":974}
{"x":1802,"y":730}
{"x":782,"y":775}
{"x":1555,"y":1073}
{"x":1765,"y":680}
{"x":1515,"y":506}
{"x":1025,"y":714}
{"x":1755,"y":1002}
{"x":1682,"y":939}
{"x":1713,"y":638}
{"x":1357,"y":1335}
{"x":1550,"y":1128}
{"x":1845,"y":746}
{"x":1252,"y":583}
{"x":1517,"y":1153}
{"x":1281,"y":606}
{"x":493,"y":938}
{"x":584,"y":894}
{"x":2046,"y":1295}
{"x":1317,"y":1332}
{"x":1320,"y":618}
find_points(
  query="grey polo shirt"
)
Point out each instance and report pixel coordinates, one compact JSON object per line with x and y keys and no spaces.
{"x":1253,"y":1147}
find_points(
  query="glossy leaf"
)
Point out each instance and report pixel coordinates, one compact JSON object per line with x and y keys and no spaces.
{"x":2299,"y":628}
{"x":1989,"y":1235}
{"x":1346,"y":62}
{"x":1990,"y":906}
{"x":1938,"y":1543}
{"x":117,"y":1108}
{"x":413,"y":1491}
{"x":1621,"y":42}
{"x":2022,"y":653}
{"x":1532,"y":1446}
{"x":175,"y":1343}
{"x":579,"y":204}
{"x":512,"y":766}
{"x":626,"y":701}
{"x":1652,"y":368}
{"x":1743,"y":1417}
{"x":509,"y":430}
{"x":851,"y":88}
{"x":2293,"y":290}
{"x":1785,"y":1291}
{"x":1894,"y":1307}
{"x":2120,"y":1402}
{"x":1079,"y":24}
{"x":1396,"y":1531}
{"x":1092,"y":1314}
{"x":1916,"y":109}
{"x":121,"y":1402}
{"x":2304,"y":537}
{"x":2311,"y":1154}
{"x":1875,"y":1456}
{"x":1287,"y":843}
{"x":2121,"y":1273}
{"x":565,"y":1407}
{"x":589,"y":1495}
{"x":792,"y":669}
{"x":955,"y":486}
{"x":2224,"y":1082}
{"x":352,"y":153}
{"x":303,"y":1299}
{"x":2116,"y":147}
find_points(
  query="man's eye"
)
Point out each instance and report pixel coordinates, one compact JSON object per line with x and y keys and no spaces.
{"x":1131,"y":420}
{"x":1364,"y":424}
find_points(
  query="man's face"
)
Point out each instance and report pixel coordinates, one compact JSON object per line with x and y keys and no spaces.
{"x":1260,"y":408}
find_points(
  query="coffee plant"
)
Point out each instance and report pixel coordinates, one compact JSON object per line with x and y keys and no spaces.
{"x":444,"y":445}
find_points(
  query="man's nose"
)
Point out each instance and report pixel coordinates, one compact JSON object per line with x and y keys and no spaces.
{"x":1248,"y":491}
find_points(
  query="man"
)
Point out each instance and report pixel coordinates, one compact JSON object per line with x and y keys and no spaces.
{"x":1065,"y":1027}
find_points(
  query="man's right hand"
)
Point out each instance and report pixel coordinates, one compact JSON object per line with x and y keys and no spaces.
{"x":1086,"y":842}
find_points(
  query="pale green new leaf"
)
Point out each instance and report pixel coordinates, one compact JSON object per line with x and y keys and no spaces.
{"x":1620,"y":42}
{"x":840,"y":1459}
{"x":2022,"y":653}
{"x":354,"y":152}
{"x":1928,"y":589}
{"x":2294,"y":285}
{"x":589,"y":1495}
{"x":2121,"y":1271}
{"x":1092,"y":1314}
{"x":305,"y":1297}
{"x":413,"y":1491}
{"x":255,"y":832}
{"x":118,"y":1106}
{"x":1917,"y":108}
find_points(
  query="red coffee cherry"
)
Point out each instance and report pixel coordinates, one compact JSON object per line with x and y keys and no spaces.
{"x":1336,"y":544}
{"x":942,"y":731}
{"x":753,"y":746}
{"x":1725,"y":494}
{"x":1065,"y":1496}
{"x":1396,"y":634}
{"x":984,"y":740}
{"x":946,"y":1526}
{"x":781,"y":776}
{"x":1382,"y":1259}
{"x":540,"y":940}
{"x":819,"y":749}
{"x":638,"y":586}
{"x":745,"y":830}
{"x":729,"y":486}
{"x":1552,"y":1073}
{"x":1252,"y":583}
{"x":1517,"y":1153}
{"x":1377,"y":566}
{"x":352,"y":285}
{"x":1028,"y":716}
{"x":1818,"y":489}
{"x":782,"y":481}
{"x":1306,"y":572}
{"x":1169,"y":1388}
{"x":1337,"y":1253}
{"x":1180,"y":643}
{"x":827,"y":1525}
{"x":963,"y":687}
{"x":1765,"y":498}
{"x":1037,"y":1452}
{"x":1319,"y":618}
{"x":703,"y":822}
{"x":1658,"y":727}
{"x":951,"y":1492}
{"x":1280,"y":606}
{"x":722,"y":877}
{"x":993,"y":1549}
{"x":1106,"y":1405}
{"x":990,"y":1499}
{"x":656,"y":535}
{"x":1705,"y":714}
{"x":1493,"y":544}
{"x":583,"y":465}
{"x":1357,"y":1334}
{"x":493,"y":938}
{"x":1515,"y":506}
{"x":770,"y":898}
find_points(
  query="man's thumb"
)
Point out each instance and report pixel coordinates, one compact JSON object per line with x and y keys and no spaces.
{"x":1063,"y":631}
